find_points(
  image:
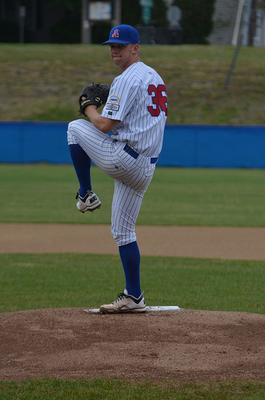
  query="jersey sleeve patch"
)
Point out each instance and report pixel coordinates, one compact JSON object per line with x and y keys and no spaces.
{"x":113,"y":103}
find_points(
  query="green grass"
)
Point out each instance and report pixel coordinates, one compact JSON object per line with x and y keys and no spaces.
{"x":120,"y":390}
{"x":32,"y":281}
{"x":192,"y":197}
{"x":48,"y":79}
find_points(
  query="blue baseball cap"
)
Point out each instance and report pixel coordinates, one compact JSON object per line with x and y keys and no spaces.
{"x":123,"y":34}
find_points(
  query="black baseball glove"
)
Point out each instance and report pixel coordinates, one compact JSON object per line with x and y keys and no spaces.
{"x":93,"y":94}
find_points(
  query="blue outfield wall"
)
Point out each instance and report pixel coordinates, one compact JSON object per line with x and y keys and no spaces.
{"x":184,"y":145}
{"x":214,"y":146}
{"x":30,"y":142}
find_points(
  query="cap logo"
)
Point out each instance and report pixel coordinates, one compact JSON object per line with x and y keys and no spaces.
{"x":115,"y":33}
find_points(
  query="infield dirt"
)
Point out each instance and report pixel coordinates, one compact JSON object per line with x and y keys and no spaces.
{"x":199,"y":242}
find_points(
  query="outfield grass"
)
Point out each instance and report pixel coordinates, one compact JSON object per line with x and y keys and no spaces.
{"x":191,"y":197}
{"x":32,"y":281}
{"x":48,"y":79}
{"x":121,"y":390}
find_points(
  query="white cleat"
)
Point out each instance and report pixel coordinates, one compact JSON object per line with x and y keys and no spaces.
{"x":124,"y":303}
{"x":89,"y":202}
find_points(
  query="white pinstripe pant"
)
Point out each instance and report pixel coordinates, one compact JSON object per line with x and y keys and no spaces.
{"x":131,"y":176}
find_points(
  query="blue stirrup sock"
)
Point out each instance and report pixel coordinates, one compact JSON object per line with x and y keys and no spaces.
{"x":130,"y":258}
{"x":82,"y":164}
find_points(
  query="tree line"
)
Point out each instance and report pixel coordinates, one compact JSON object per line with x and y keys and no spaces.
{"x":196,"y":21}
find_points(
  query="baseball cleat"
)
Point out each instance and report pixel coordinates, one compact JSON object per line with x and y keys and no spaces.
{"x":89,"y":202}
{"x":124,"y":303}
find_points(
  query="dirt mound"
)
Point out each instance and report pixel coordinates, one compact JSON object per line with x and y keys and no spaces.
{"x":187,"y":345}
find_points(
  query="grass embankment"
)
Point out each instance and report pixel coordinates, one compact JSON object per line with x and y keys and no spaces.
{"x":43,"y":82}
{"x":192,"y":197}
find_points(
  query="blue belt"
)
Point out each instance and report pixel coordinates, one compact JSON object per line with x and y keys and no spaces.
{"x":135,"y":155}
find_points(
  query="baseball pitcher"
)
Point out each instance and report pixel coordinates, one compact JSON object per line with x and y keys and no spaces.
{"x":125,"y":141}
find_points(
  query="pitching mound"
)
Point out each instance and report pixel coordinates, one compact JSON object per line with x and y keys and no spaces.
{"x":187,"y":345}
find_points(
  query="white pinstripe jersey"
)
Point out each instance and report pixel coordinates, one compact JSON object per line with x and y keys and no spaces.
{"x":138,"y":99}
